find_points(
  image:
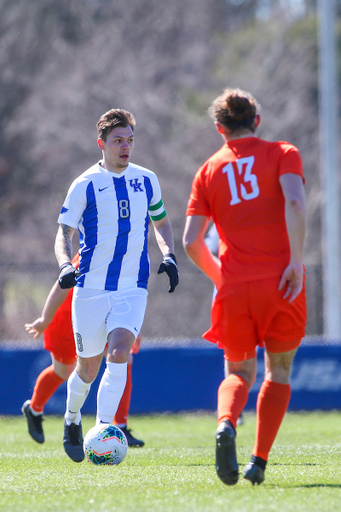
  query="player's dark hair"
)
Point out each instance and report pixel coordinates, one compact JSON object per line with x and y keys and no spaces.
{"x":112,"y":119}
{"x":235,"y":109}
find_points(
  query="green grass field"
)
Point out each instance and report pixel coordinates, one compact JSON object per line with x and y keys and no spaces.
{"x":175,"y":470}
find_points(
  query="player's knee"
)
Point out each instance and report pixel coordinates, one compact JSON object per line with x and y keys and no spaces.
{"x":87,"y":372}
{"x":64,"y":371}
{"x":119,"y":347}
{"x":245,"y":369}
{"x":278,"y":366}
{"x":120,"y":354}
{"x":250,"y":379}
{"x":278,"y":374}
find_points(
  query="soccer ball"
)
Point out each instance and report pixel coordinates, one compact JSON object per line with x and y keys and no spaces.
{"x":105,"y":444}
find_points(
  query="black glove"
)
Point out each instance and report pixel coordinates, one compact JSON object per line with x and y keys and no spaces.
{"x":67,"y":276}
{"x":169,"y":266}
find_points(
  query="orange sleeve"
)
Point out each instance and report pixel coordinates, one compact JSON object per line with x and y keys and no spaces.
{"x":198,"y":204}
{"x":290,"y":161}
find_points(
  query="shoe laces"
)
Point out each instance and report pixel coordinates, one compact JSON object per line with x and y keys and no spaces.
{"x":38,"y":420}
{"x":74,"y":433}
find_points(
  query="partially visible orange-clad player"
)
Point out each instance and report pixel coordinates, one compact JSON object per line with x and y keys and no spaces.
{"x":254,"y":192}
{"x":56,"y":324}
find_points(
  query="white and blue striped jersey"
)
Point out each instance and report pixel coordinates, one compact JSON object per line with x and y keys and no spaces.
{"x":111,"y":212}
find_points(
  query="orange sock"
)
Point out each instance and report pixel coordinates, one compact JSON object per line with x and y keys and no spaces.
{"x":46,"y":384}
{"x":121,"y":416}
{"x":272,"y":403}
{"x":233,"y":393}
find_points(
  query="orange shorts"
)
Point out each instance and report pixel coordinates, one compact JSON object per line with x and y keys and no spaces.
{"x":251,"y":313}
{"x":64,"y":360}
{"x":59,"y":339}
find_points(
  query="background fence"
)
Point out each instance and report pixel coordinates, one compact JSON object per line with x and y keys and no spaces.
{"x":184,"y":314}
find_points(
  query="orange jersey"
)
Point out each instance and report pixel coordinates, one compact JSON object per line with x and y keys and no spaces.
{"x":239,"y":188}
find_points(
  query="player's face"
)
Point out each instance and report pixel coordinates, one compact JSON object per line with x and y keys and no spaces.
{"x":117,"y":148}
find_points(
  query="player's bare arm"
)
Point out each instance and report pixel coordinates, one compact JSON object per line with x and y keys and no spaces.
{"x":197,"y":250}
{"x":54,"y":299}
{"x":295,"y":217}
{"x":63,"y":252}
{"x":164,"y":235}
{"x":63,"y":244}
{"x":165,"y":240}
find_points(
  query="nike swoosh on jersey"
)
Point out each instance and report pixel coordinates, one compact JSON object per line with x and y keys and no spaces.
{"x":101,"y":189}
{"x":64,"y":210}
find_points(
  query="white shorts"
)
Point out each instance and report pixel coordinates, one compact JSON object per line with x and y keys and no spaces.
{"x":95,"y":313}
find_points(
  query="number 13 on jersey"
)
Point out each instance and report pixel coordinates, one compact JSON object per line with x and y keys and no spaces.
{"x":241,"y":164}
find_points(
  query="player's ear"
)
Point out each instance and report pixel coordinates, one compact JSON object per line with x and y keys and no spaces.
{"x":257,"y":120}
{"x":100,"y":144}
{"x":219,"y":127}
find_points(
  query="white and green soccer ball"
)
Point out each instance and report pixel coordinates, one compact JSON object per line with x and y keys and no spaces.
{"x":105,"y":444}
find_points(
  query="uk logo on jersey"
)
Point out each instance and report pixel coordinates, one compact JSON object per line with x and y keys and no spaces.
{"x":136,"y":185}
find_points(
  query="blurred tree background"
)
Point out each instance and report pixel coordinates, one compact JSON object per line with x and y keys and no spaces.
{"x":65,"y":62}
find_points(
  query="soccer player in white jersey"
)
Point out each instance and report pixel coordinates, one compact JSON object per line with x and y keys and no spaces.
{"x":110,"y":205}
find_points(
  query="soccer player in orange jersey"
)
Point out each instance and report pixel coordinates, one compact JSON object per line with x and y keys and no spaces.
{"x":254,"y":192}
{"x":55,"y":322}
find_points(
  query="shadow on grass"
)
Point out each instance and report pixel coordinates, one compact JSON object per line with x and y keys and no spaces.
{"x":199,"y":464}
{"x":301,"y":486}
{"x":286,"y":464}
{"x":308,"y":486}
{"x":294,"y":464}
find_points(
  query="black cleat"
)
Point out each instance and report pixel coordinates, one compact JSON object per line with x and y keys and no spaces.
{"x":132,"y":442}
{"x":34,"y":423}
{"x":73,"y":441}
{"x":254,"y":473}
{"x":226,"y":456}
